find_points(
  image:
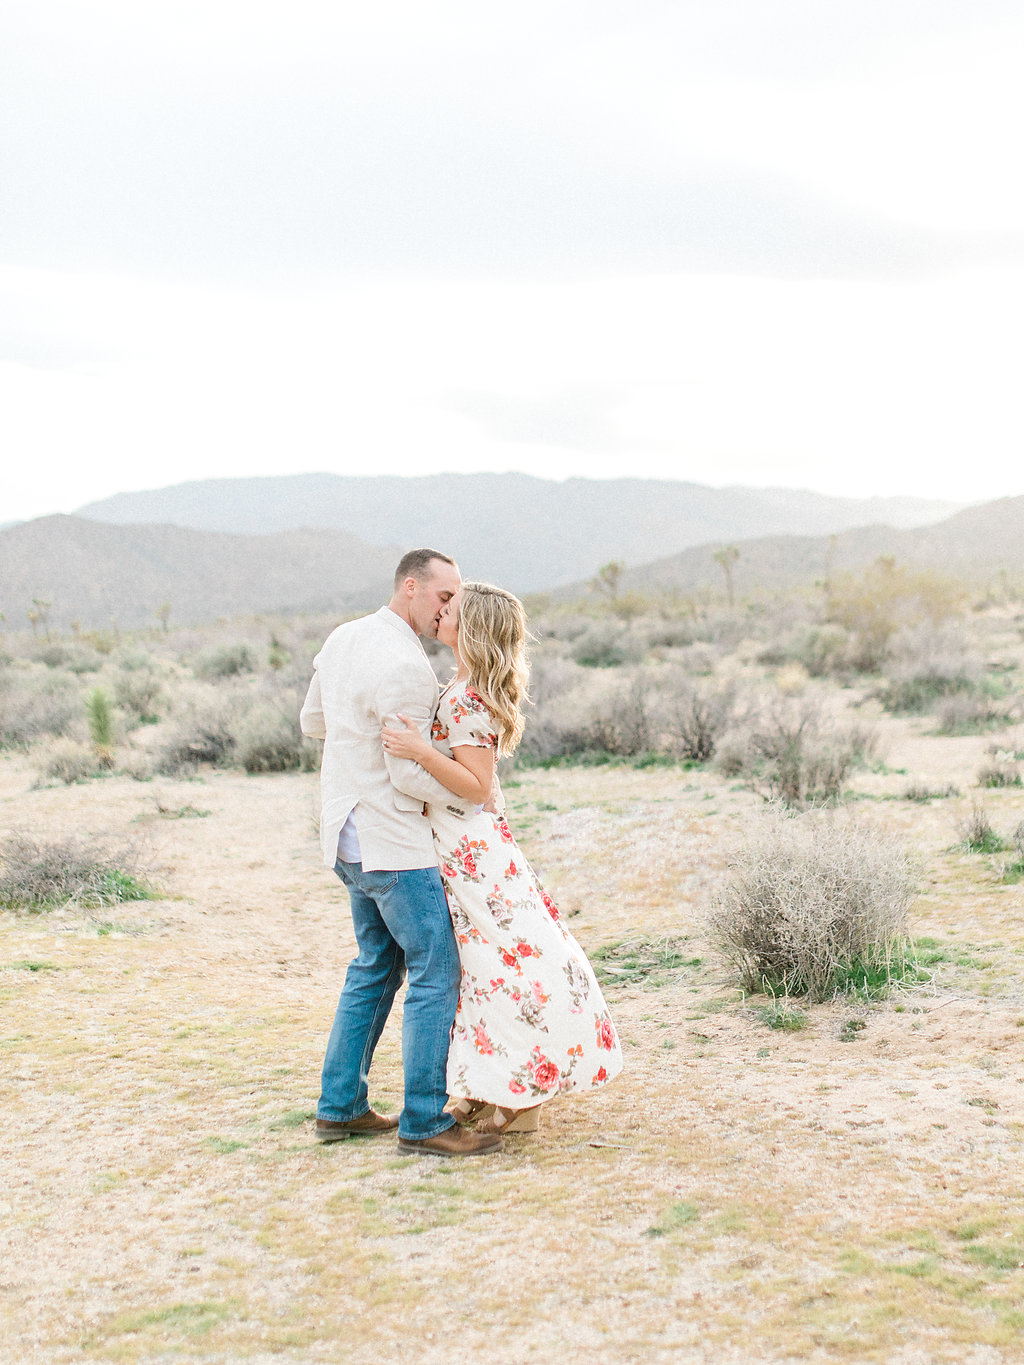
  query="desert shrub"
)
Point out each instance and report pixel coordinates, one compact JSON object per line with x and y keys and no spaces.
{"x":694,"y":718}
{"x":677,"y":633}
{"x":204,"y":732}
{"x":602,"y":645}
{"x":793,"y":755}
{"x":811,"y":902}
{"x":139,"y":693}
{"x":928,"y":664}
{"x":35,"y":705}
{"x":875,"y":603}
{"x":965,"y":714}
{"x":1014,"y":870}
{"x":581,"y":713}
{"x":619,"y":724}
{"x":269,"y":741}
{"x":54,"y":655}
{"x":921,"y":791}
{"x":821,"y":650}
{"x":68,"y":760}
{"x":225,"y":661}
{"x":699,"y":659}
{"x":83,"y":660}
{"x":976,"y":832}
{"x":999,"y":772}
{"x":39,"y":875}
{"x":565,"y":626}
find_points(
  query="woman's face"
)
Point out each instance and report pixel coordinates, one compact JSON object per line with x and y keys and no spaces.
{"x":448,"y":622}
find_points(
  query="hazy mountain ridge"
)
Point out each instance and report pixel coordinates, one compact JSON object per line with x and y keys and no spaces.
{"x":528,"y":533}
{"x":976,"y":543}
{"x":92,"y":572}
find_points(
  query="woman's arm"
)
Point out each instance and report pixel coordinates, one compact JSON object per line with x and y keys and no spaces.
{"x":469,"y":773}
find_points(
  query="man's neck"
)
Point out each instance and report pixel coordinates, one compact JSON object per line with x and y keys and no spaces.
{"x":401,"y":609}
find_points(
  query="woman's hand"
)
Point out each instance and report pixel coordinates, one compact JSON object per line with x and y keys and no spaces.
{"x":405,"y":743}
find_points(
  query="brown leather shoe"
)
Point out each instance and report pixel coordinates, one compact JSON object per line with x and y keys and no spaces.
{"x":366,"y":1125}
{"x":454,"y":1141}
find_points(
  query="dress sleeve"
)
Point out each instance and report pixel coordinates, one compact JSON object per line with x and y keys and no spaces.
{"x":468,"y":720}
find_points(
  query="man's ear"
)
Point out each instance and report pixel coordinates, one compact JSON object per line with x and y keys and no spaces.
{"x":409,"y":586}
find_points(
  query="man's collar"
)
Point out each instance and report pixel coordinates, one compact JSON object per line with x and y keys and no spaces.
{"x":402,"y":626}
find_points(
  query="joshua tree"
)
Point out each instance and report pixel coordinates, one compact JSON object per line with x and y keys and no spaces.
{"x":607,"y":580}
{"x":39,"y":615}
{"x":163,"y":614}
{"x":727,"y":557}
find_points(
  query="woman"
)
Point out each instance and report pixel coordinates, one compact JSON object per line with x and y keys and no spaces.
{"x":532,"y":1022}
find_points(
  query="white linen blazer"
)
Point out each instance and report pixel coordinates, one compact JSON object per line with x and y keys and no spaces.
{"x":369,"y":669}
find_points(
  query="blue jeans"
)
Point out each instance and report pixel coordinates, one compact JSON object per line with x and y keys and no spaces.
{"x":402,"y":923}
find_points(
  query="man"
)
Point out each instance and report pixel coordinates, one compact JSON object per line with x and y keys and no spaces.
{"x":378,"y":840}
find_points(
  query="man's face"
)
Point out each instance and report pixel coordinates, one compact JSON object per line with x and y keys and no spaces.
{"x":430,"y":595}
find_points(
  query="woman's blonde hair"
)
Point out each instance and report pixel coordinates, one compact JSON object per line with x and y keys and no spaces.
{"x":492,"y":644}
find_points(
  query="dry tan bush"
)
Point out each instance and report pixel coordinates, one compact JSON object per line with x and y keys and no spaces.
{"x":36,"y":703}
{"x":139,"y":692}
{"x":68,"y":760}
{"x":813,"y":901}
{"x":926,"y":664}
{"x":225,"y":661}
{"x":971,"y":715}
{"x":269,"y":741}
{"x":39,"y":875}
{"x":203,"y":731}
{"x":875,"y":603}
{"x":999,"y":772}
{"x":794,"y":755}
{"x":692,"y":718}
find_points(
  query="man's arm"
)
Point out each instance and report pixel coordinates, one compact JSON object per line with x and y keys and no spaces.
{"x":311,"y":717}
{"x":393,"y":696}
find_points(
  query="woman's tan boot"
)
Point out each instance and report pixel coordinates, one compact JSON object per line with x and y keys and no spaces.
{"x":511,"y":1121}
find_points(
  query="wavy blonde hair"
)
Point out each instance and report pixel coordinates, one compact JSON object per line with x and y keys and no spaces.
{"x":492,"y":644}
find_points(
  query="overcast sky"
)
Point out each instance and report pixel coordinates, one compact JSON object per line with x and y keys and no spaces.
{"x":770,"y":242}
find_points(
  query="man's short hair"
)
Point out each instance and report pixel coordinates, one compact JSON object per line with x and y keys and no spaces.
{"x":416,"y":564}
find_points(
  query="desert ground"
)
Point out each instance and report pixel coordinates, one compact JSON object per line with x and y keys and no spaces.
{"x":848,"y":1191}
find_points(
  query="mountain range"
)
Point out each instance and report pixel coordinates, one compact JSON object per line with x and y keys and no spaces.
{"x":976,"y":544}
{"x":527,"y":533}
{"x":94,"y":573}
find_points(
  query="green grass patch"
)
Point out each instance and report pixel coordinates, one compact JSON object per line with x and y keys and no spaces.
{"x":781,"y":1015}
{"x":24,"y":965}
{"x":996,"y":1258}
{"x":676,"y":1216}
{"x":650,"y":962}
{"x":292,"y":1118}
{"x":193,"y":1319}
{"x":223,"y":1146}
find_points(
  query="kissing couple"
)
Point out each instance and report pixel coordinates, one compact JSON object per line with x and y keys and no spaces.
{"x":503,"y":1011}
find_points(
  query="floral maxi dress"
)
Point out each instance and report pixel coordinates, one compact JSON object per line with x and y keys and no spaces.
{"x":531,"y":1022}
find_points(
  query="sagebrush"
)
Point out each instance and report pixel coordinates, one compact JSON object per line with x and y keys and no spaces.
{"x":810,"y":901}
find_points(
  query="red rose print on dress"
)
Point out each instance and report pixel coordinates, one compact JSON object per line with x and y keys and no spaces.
{"x":503,"y":829}
{"x":605,"y":1032}
{"x":549,"y":904}
{"x":545,"y":1075}
{"x":601,"y":1076}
